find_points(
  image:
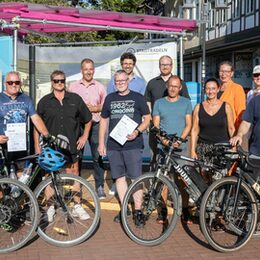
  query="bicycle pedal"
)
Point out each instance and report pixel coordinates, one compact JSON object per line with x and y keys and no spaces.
{"x":61,"y":231}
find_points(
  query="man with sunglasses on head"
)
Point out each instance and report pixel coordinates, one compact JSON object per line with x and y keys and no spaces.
{"x":15,"y":107}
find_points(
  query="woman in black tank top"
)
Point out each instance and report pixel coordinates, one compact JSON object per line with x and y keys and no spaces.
{"x":212,"y":121}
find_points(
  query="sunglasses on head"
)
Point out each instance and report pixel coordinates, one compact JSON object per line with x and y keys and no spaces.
{"x":256,"y":75}
{"x":56,"y":81}
{"x":10,"y":82}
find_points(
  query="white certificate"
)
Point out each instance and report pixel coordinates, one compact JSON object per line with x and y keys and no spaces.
{"x":123,"y":128}
{"x":16,"y":134}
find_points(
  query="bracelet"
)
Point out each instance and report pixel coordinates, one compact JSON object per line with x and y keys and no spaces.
{"x":139,"y":132}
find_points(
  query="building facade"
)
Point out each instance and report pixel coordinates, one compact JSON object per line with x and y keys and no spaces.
{"x":232,"y":33}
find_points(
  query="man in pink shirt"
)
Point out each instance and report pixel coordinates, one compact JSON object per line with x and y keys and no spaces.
{"x":93,"y":93}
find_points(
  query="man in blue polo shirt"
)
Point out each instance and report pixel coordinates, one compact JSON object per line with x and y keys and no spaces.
{"x":137,"y":84}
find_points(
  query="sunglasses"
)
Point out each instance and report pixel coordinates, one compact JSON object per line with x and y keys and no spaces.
{"x":17,"y":82}
{"x":256,"y":75}
{"x":56,"y":81}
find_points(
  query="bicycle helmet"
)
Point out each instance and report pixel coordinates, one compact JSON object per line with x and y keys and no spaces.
{"x":51,"y":160}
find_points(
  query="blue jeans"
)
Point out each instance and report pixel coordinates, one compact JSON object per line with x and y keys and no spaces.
{"x":97,"y":160}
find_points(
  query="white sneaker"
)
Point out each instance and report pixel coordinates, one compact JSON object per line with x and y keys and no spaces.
{"x":79,"y":212}
{"x":112,"y":191}
{"x":51,"y":213}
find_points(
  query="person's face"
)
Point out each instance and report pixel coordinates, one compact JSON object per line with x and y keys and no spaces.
{"x":121,"y":82}
{"x":256,"y":79}
{"x":165,"y":66}
{"x":225,"y":73}
{"x":128,"y":66}
{"x":211,"y":89}
{"x":87,"y":71}
{"x":174,"y":87}
{"x":58,"y":83}
{"x":12,"y":84}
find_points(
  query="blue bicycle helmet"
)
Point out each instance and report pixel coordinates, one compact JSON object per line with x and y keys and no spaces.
{"x":51,"y":160}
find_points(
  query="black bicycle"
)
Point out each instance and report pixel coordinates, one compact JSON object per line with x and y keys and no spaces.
{"x":19,"y":213}
{"x":229,"y":208}
{"x":68,"y":204}
{"x":157,"y":195}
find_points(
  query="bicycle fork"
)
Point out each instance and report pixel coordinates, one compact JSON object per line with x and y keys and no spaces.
{"x":59,"y":198}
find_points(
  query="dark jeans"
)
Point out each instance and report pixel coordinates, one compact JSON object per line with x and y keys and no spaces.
{"x":97,"y":160}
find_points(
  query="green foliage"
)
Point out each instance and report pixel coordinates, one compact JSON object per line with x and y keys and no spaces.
{"x":127,"y":6}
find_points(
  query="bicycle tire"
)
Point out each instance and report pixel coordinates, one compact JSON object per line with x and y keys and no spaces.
{"x":215,"y":218}
{"x":61,"y":232}
{"x":19,"y":215}
{"x":154,"y":232}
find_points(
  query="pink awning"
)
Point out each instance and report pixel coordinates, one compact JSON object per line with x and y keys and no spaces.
{"x":46,"y":19}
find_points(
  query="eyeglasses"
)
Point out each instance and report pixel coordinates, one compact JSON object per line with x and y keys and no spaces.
{"x":256,"y":75}
{"x":166,"y":65}
{"x":56,"y":81}
{"x":10,"y":82}
{"x":225,"y":71}
{"x":123,"y":81}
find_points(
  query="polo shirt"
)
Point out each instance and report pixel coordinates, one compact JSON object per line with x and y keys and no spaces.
{"x":156,"y":88}
{"x":64,"y":118}
{"x":93,"y":94}
{"x":136,"y":84}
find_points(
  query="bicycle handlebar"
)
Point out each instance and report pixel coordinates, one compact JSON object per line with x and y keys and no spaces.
{"x":171,"y":138}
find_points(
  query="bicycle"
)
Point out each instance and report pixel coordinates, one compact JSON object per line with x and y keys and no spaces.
{"x":58,"y":196}
{"x":229,"y":208}
{"x":18,"y":215}
{"x":161,"y":202}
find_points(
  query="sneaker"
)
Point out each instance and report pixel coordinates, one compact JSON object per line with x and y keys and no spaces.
{"x":186,"y":217}
{"x":162,"y":216}
{"x":79,"y":212}
{"x":100,"y":192}
{"x":112,"y":190}
{"x":51,"y":213}
{"x":139,"y":219}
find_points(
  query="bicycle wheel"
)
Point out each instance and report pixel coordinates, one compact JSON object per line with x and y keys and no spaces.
{"x":19,"y":215}
{"x":67,"y":228}
{"x":224,"y":230}
{"x":157,"y":199}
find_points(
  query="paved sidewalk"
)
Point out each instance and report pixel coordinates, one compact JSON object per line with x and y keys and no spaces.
{"x":110,"y":242}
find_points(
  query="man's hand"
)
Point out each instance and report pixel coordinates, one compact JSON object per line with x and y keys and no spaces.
{"x":3,"y":139}
{"x":102,"y":150}
{"x":236,"y":140}
{"x":133,"y":135}
{"x":81,"y":142}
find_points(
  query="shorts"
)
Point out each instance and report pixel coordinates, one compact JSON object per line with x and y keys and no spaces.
{"x":125,"y":163}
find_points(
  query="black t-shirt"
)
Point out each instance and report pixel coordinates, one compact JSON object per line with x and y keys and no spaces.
{"x":115,"y":106}
{"x":64,"y":118}
{"x":156,"y":88}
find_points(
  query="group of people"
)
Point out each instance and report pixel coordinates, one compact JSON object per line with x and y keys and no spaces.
{"x":85,"y":111}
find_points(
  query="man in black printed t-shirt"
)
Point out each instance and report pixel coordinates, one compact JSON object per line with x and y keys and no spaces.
{"x":125,"y":160}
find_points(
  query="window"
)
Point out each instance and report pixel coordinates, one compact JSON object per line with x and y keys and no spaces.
{"x":249,"y":6}
{"x":212,"y":14}
{"x":236,"y":8}
{"x":222,"y":16}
